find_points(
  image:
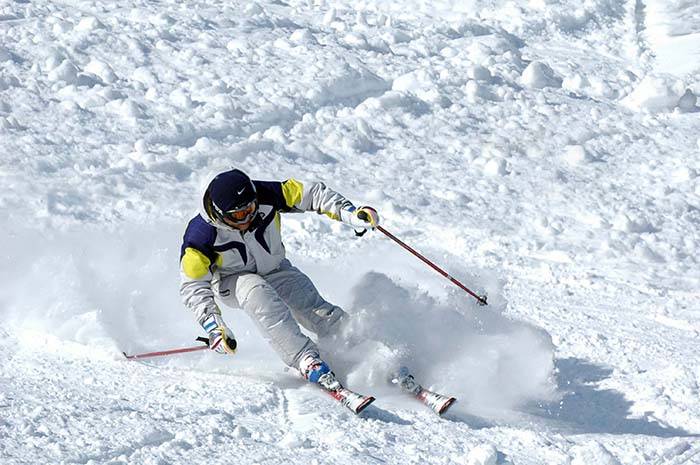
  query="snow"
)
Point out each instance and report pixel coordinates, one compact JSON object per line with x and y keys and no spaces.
{"x":542,"y":151}
{"x":657,"y":94}
{"x":538,"y":76}
{"x":672,"y":29}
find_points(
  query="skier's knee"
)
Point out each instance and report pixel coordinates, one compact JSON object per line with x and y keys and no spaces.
{"x":246,"y":286}
{"x":251,"y":295}
{"x":329,"y":318}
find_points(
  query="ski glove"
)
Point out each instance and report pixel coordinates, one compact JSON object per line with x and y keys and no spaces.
{"x":360,"y":218}
{"x":221,"y":338}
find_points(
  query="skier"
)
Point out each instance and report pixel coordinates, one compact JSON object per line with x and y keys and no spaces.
{"x":233,"y":250}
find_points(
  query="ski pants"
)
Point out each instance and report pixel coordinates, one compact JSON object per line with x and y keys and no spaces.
{"x":278,"y":302}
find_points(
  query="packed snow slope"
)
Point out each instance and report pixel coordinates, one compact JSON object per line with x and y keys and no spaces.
{"x":543,"y":151}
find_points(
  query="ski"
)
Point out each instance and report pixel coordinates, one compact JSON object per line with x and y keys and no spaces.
{"x":438,"y":403}
{"x":352,"y":400}
{"x":355,"y":402}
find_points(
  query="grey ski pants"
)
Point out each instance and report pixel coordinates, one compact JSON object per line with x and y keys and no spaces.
{"x":278,"y":303}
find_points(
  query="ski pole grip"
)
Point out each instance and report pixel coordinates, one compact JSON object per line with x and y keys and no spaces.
{"x":364,"y":217}
{"x":203,"y":339}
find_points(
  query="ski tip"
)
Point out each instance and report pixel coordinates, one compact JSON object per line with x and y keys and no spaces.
{"x":447,"y":405}
{"x":365,"y":403}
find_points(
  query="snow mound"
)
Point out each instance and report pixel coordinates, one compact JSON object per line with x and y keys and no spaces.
{"x":66,"y":72}
{"x":484,"y":454}
{"x":347,"y":82}
{"x":421,"y":83}
{"x":539,"y":75}
{"x":656,"y":94}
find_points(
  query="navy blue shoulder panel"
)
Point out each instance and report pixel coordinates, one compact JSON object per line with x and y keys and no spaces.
{"x":270,"y":193}
{"x":200,"y":235}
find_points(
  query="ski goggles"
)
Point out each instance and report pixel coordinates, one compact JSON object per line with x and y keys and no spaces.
{"x":241,"y":215}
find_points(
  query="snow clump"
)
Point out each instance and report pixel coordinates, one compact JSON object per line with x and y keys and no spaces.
{"x":496,"y":167}
{"x":576,"y":155}
{"x":688,"y":101}
{"x":656,"y":94}
{"x":66,"y":72}
{"x":575,"y":83}
{"x":479,"y":73}
{"x":420,"y":83}
{"x":89,"y":24}
{"x":102,"y":70}
{"x":302,"y":36}
{"x":538,"y":75}
{"x":592,"y":453}
{"x":484,"y":454}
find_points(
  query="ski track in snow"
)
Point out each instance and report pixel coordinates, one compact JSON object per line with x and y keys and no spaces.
{"x":543,"y":151}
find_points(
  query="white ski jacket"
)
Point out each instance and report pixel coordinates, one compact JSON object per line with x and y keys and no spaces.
{"x":212,"y":250}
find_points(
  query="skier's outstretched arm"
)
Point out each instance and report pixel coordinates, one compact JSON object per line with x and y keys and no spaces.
{"x":294,"y":195}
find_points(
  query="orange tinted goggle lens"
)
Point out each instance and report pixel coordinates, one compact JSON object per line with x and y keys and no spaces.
{"x":239,"y":215}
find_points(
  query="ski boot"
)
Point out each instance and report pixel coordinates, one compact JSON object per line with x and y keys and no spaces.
{"x":315,"y":370}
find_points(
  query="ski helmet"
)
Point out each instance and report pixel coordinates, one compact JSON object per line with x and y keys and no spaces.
{"x":231,"y":196}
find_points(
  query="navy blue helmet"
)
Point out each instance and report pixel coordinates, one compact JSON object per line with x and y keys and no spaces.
{"x":231,"y":197}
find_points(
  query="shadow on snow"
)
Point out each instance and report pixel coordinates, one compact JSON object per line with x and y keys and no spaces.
{"x":587,"y":409}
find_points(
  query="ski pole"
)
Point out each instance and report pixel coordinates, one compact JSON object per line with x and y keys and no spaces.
{"x":479,"y":298}
{"x":170,"y":352}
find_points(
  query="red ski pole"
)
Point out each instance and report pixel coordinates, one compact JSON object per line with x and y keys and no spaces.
{"x":479,"y":298}
{"x":169,"y":352}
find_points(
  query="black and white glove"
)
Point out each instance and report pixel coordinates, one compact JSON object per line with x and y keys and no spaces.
{"x":360,"y":218}
{"x":221,"y":338}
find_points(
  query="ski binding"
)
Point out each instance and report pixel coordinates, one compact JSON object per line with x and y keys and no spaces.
{"x":355,"y":402}
{"x":438,"y":403}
